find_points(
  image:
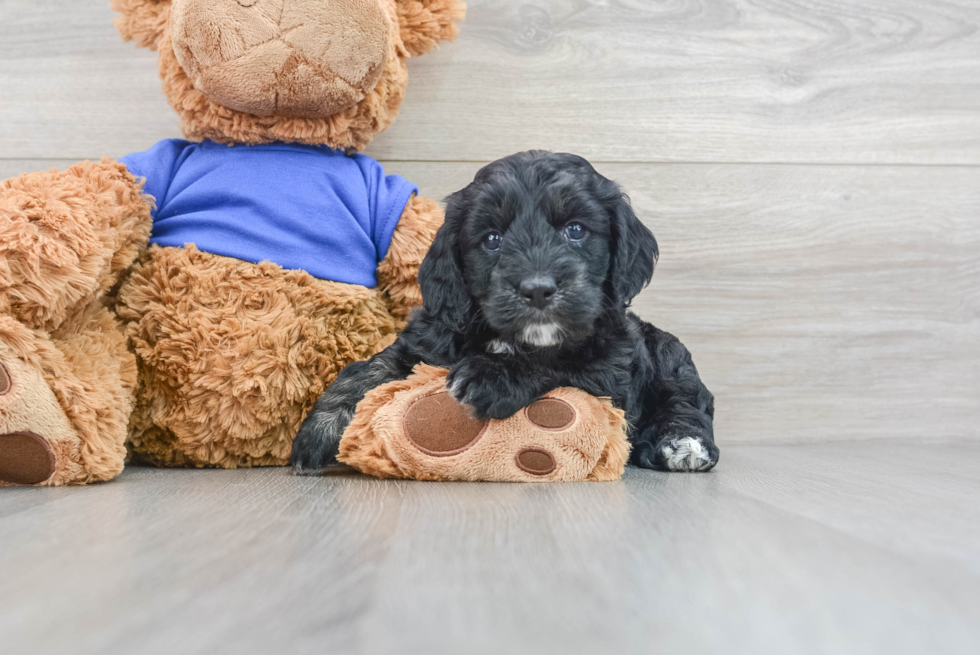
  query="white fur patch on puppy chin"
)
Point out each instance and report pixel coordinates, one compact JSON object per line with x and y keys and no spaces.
{"x":542,"y":334}
{"x":499,"y":347}
{"x":686,"y":454}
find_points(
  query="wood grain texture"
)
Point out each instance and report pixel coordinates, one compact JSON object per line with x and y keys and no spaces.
{"x":851,"y":81}
{"x":819,"y":302}
{"x":830,"y":548}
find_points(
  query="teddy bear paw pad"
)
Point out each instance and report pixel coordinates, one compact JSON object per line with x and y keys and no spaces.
{"x":536,"y":461}
{"x":550,"y":414}
{"x":439,"y":426}
{"x":25,"y":458}
{"x":4,"y":380}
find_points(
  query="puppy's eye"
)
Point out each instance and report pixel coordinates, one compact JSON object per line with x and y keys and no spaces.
{"x":575,"y":231}
{"x":492,"y":241}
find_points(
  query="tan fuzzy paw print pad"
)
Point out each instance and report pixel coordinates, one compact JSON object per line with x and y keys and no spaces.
{"x":413,"y":429}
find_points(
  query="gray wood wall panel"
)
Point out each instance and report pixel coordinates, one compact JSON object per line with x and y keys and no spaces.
{"x":820,"y":302}
{"x":851,"y":81}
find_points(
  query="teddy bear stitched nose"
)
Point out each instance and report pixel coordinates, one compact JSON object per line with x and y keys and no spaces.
{"x":300,"y":58}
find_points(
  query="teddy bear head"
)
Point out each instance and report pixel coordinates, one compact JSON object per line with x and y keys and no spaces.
{"x":326,"y":72}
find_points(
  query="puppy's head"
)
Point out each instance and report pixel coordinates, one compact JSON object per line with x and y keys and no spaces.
{"x":537,"y":246}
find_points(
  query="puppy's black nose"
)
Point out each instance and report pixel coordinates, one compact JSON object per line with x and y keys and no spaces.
{"x":538,"y":290}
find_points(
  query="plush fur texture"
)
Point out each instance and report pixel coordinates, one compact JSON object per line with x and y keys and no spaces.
{"x":233,"y":354}
{"x":31,"y":405}
{"x":398,"y":273}
{"x":593,"y":447}
{"x":526,"y":288}
{"x":282,"y":57}
{"x":142,"y":21}
{"x":424,"y":23}
{"x":414,"y":28}
{"x":230,"y":369}
{"x":65,"y":239}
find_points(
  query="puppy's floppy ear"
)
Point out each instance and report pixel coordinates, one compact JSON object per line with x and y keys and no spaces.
{"x":635,"y":253}
{"x":423,"y":23}
{"x":142,"y":21}
{"x":444,"y":294}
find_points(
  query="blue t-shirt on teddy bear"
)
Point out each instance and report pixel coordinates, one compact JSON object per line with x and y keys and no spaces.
{"x":302,"y":207}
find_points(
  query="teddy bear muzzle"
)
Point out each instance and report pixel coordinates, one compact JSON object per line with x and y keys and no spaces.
{"x":295,"y":58}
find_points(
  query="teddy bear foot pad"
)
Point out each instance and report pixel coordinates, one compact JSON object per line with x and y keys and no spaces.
{"x":25,"y":458}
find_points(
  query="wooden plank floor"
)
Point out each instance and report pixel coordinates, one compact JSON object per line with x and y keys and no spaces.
{"x":826,"y":548}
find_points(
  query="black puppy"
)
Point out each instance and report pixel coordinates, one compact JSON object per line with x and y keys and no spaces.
{"x":526,"y":289}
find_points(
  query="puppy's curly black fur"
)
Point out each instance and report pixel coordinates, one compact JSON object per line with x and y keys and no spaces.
{"x":526,"y":288}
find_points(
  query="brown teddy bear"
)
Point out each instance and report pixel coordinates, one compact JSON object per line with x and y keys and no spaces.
{"x":278,"y":254}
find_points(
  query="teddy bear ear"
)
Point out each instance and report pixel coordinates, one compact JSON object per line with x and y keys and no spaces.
{"x":423,"y":23}
{"x":142,"y":21}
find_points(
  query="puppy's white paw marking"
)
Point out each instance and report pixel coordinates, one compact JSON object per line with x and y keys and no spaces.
{"x":542,"y":334}
{"x":499,"y":347}
{"x":455,"y":389}
{"x":686,"y":454}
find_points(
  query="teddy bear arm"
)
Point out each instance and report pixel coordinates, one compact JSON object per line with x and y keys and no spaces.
{"x":398,"y":273}
{"x":65,"y":238}
{"x":423,"y":23}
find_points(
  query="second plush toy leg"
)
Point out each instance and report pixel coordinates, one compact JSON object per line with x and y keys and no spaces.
{"x":68,"y":378}
{"x":35,"y":434}
{"x":233,"y":354}
{"x":65,"y":400}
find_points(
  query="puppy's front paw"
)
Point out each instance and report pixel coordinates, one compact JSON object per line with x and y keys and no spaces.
{"x":484,"y":387}
{"x":318,"y":441}
{"x":685,"y":453}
